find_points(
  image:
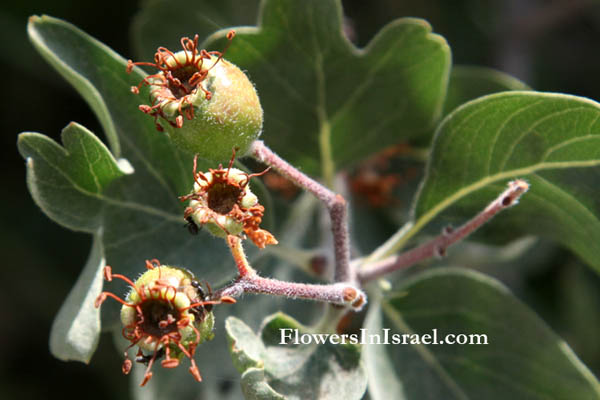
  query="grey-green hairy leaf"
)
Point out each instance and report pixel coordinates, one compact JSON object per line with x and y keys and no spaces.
{"x":75,"y":330}
{"x":255,"y":386}
{"x":99,"y":75}
{"x":523,"y":359}
{"x":321,"y":92}
{"x":551,"y":140}
{"x":67,"y":182}
{"x":295,"y":371}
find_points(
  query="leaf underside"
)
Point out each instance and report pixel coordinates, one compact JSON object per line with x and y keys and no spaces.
{"x":523,"y":359}
{"x":312,"y":371}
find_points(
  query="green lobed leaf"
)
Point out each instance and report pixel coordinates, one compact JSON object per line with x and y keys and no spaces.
{"x":76,"y":329}
{"x":67,"y":182}
{"x":523,"y":359}
{"x":552,"y":140}
{"x":295,"y":371}
{"x":98,"y":74}
{"x":321,"y":92}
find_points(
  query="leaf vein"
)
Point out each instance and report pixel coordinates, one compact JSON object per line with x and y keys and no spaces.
{"x":531,"y":129}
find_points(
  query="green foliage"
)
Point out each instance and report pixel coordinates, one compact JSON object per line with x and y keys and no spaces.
{"x":328,"y":106}
{"x":77,"y":187}
{"x":468,"y":83}
{"x":271,"y":370}
{"x":537,"y":136}
{"x":320,"y":91}
{"x":523,"y":358}
{"x":67,"y":183}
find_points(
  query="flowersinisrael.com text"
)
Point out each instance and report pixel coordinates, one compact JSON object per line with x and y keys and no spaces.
{"x":293,"y":336}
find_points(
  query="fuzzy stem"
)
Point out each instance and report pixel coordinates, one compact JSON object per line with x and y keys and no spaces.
{"x":244,"y":268}
{"x":438,"y":245}
{"x":336,"y":205}
{"x":249,"y":281}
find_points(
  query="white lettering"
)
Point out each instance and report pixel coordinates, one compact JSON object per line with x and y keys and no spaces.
{"x":307,"y":337}
{"x":426,"y":339}
{"x":386,"y":338}
{"x":319,"y":338}
{"x":284,"y":336}
{"x":336,"y":337}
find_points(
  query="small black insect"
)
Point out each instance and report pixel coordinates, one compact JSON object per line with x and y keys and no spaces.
{"x":202,"y":296}
{"x":192,"y":226}
{"x":145,"y":359}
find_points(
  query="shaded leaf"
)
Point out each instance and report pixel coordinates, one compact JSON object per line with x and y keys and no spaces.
{"x":323,"y":371}
{"x":75,"y":330}
{"x":164,"y":22}
{"x":67,"y":182}
{"x":379,"y":220}
{"x":523,"y":359}
{"x":469,"y":82}
{"x":579,"y":291}
{"x":551,"y":140}
{"x":320,"y":91}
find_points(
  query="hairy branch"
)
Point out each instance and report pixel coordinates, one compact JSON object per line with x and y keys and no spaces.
{"x":336,"y":205}
{"x":438,"y":245}
{"x":249,"y":281}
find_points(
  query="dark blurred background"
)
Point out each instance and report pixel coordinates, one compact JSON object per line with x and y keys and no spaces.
{"x":551,"y":45}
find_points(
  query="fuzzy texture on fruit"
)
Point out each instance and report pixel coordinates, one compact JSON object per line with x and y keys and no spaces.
{"x":206,"y":104}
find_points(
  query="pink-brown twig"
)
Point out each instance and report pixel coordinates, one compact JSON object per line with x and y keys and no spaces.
{"x":335,"y":203}
{"x":438,"y":245}
{"x":249,"y":281}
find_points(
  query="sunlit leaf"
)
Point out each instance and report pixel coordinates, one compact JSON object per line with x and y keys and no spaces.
{"x":551,"y":140}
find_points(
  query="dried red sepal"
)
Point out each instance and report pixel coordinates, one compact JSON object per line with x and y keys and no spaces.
{"x":177,"y":81}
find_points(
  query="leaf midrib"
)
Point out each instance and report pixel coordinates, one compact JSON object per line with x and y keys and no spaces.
{"x":120,"y":203}
{"x":466,"y":190}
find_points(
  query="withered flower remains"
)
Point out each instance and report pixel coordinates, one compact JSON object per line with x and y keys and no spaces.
{"x":166,"y":314}
{"x":216,"y":98}
{"x":223,"y":202}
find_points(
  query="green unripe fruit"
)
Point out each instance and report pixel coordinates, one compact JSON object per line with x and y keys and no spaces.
{"x":209,"y":105}
{"x":232,"y":118}
{"x":166,"y":314}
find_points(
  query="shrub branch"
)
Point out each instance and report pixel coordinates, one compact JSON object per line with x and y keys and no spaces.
{"x":438,"y":245}
{"x":335,"y":203}
{"x":248,"y":281}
